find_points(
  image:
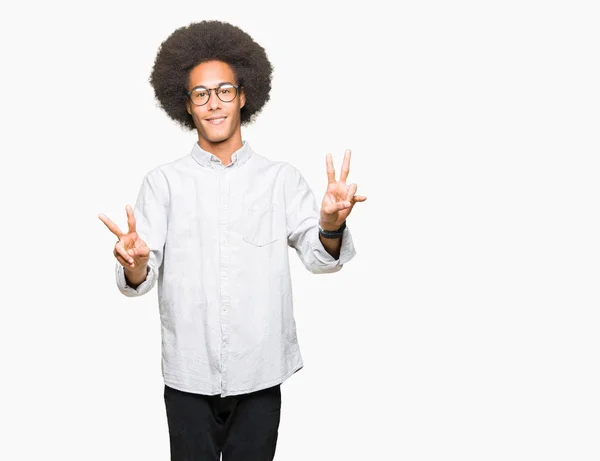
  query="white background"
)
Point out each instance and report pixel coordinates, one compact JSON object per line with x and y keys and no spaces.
{"x":467,"y":325}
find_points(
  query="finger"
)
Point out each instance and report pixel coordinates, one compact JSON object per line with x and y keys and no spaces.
{"x":339,"y":206}
{"x":331,"y":209}
{"x":122,"y":262}
{"x":329,"y":198}
{"x":111,"y":225}
{"x":120,"y":249}
{"x":143,"y":252}
{"x":125,"y":262}
{"x":130,"y":218}
{"x":330,"y":169}
{"x":345,"y":166}
{"x":359,"y":198}
{"x":351,"y":191}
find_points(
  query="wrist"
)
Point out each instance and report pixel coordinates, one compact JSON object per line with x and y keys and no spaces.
{"x":330,"y":233}
{"x":332,"y":226}
{"x":136,"y":275}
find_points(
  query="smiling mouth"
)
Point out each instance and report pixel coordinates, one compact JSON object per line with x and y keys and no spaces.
{"x":216,"y":120}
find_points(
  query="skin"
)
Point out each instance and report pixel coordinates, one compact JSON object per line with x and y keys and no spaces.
{"x":222,"y":139}
{"x":225,"y":138}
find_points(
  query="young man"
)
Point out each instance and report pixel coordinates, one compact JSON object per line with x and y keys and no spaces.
{"x":213,"y":229}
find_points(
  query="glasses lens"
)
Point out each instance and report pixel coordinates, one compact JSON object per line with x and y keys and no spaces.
{"x":199,"y":96}
{"x":226,"y":93}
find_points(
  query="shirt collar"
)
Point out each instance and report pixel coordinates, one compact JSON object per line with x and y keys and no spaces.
{"x":238,"y":158}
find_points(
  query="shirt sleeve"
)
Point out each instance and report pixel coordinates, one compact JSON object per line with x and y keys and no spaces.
{"x":151,"y":212}
{"x":302,"y":216}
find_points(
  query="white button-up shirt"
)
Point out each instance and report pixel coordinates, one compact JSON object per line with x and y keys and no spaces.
{"x":219,"y":239}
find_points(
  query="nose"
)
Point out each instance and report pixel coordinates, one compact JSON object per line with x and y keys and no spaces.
{"x":213,"y":101}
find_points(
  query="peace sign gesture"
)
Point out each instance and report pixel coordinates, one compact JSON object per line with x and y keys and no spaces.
{"x":339,"y":198}
{"x":131,"y":251}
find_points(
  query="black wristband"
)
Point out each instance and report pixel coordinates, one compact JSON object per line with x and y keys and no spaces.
{"x":336,"y":234}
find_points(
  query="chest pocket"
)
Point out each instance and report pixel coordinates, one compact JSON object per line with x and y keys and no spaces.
{"x":260,"y":225}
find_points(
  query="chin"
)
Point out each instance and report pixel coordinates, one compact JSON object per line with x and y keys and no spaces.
{"x":214,"y":136}
{"x":217,"y":139}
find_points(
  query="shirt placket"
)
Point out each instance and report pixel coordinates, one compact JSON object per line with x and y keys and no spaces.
{"x":224,"y":211}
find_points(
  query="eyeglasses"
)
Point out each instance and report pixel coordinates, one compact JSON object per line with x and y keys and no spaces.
{"x":226,"y":92}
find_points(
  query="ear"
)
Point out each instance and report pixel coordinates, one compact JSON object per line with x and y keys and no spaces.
{"x":188,"y":107}
{"x":242,"y":98}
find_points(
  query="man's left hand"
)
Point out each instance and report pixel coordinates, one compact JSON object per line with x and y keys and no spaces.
{"x":340,"y":197}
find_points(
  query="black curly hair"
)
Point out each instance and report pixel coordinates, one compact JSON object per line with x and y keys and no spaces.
{"x":203,"y":41}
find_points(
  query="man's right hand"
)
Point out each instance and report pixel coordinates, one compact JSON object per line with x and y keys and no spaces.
{"x":130,"y":250}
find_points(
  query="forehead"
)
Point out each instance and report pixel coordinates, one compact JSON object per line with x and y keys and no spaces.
{"x":211,"y":74}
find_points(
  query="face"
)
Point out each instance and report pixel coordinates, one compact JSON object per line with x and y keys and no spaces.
{"x":217,"y":122}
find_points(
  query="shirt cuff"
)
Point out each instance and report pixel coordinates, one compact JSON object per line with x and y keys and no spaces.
{"x":347,"y":251}
{"x":141,"y":289}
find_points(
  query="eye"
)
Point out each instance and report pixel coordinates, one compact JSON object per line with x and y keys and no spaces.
{"x":199,"y":93}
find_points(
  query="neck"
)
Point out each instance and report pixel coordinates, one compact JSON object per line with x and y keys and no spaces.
{"x":223,"y":149}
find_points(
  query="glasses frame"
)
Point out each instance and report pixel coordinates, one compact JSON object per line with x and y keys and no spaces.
{"x":210,"y":90}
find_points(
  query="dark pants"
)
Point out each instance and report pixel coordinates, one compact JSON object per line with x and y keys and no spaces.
{"x":243,"y":427}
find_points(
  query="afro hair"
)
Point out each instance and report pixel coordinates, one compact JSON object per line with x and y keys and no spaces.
{"x":203,"y":41}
